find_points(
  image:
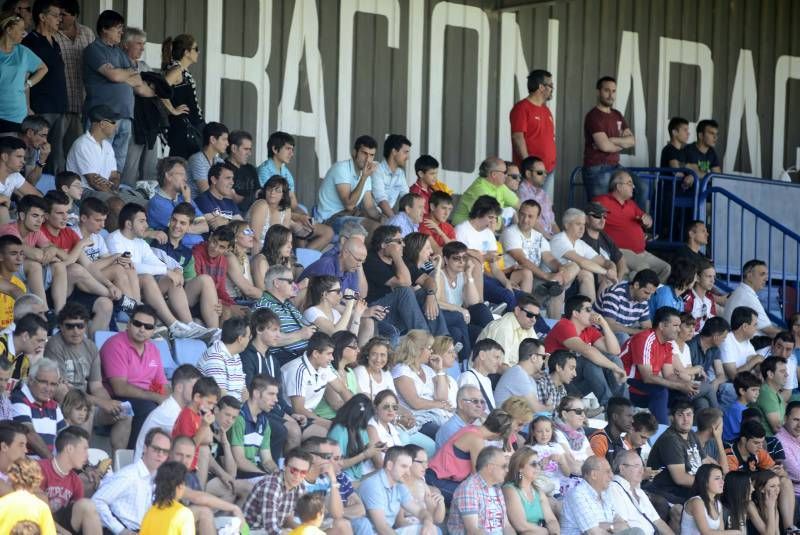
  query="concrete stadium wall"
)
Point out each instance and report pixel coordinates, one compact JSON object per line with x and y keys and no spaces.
{"x":446,"y":73}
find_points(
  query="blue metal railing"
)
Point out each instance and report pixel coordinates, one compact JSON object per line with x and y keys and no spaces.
{"x":662,"y":186}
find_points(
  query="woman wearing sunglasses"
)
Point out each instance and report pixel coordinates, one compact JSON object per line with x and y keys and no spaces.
{"x":529,"y":510}
{"x":570,"y":416}
{"x":381,"y":427}
{"x":239,"y":281}
{"x":323,"y":297}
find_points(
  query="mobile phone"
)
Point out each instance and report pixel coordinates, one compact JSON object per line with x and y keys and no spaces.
{"x":126,"y":254}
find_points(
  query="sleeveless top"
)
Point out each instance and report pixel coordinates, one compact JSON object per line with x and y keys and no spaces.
{"x":185,"y":92}
{"x":689,"y":526}
{"x":234,"y":290}
{"x":532,"y":508}
{"x":267,"y":223}
{"x":451,"y":462}
{"x":454,"y":296}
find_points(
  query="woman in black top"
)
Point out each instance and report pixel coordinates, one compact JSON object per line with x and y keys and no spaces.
{"x":185,"y":116}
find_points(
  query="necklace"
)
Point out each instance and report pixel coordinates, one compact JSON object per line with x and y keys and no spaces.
{"x":59,"y":471}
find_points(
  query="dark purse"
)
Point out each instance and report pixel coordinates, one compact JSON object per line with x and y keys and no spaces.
{"x":193,"y":137}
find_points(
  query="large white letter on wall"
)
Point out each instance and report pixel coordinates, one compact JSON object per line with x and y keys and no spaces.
{"x":387,"y":8}
{"x":787,"y":67}
{"x":689,"y":53}
{"x":744,"y":102}
{"x":473,"y":18}
{"x":629,"y":78}
{"x":304,"y":39}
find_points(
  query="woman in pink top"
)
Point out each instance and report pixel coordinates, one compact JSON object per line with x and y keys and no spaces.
{"x":455,"y":461}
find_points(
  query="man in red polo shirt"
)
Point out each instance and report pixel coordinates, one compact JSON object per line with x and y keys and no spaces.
{"x":647,"y":357}
{"x":625,"y":224}
{"x":576,"y":332}
{"x":533,"y":131}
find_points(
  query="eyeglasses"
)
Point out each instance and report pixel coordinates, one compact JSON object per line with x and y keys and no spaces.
{"x":353,"y":346}
{"x":248,"y":232}
{"x":515,"y":176}
{"x":296,"y":471}
{"x":529,"y":314}
{"x":579,"y":412}
{"x":160,"y":451}
{"x":46,"y":383}
{"x":598,"y":216}
{"x":336,"y":458}
{"x":543,"y":355}
{"x":73,"y":326}
{"x":143,"y":325}
{"x":390,"y":407}
{"x":56,"y":14}
{"x":196,"y":48}
{"x":458,"y":258}
{"x":284,"y":279}
{"x":477,"y":401}
{"x":333,"y":291}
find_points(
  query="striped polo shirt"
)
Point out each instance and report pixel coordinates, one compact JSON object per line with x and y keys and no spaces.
{"x":617,"y":303}
{"x":300,"y":378}
{"x":291,"y":319}
{"x":226,"y":369}
{"x":251,"y":434}
{"x":46,"y":418}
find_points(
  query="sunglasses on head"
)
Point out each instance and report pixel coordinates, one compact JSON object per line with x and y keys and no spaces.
{"x":143,"y":325}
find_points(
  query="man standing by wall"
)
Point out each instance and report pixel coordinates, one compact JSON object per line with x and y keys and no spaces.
{"x":532,"y":127}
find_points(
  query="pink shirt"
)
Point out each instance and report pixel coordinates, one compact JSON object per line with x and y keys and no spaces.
{"x":791,"y":447}
{"x":33,"y":239}
{"x":119,"y":358}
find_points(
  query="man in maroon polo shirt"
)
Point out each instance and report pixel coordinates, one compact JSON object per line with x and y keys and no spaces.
{"x":625,"y":224}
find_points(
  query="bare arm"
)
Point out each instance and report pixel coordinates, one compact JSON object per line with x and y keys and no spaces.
{"x":36,"y":443}
{"x":405,"y":387}
{"x":243,"y":463}
{"x":123,"y":389}
{"x":518,"y":142}
{"x":236,"y":274}
{"x":585,"y":263}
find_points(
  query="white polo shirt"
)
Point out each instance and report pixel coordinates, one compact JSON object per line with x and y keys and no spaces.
{"x":560,"y":245}
{"x":300,"y":378}
{"x":88,"y":156}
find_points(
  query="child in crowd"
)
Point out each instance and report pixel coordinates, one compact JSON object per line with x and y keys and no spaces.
{"x":556,"y":462}
{"x":196,"y":418}
{"x":747,"y":387}
{"x":426,"y":168}
{"x":76,"y":407}
{"x":72,"y":186}
{"x":168,"y":516}
{"x":310,"y":509}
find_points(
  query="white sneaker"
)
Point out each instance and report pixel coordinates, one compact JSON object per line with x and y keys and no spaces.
{"x":181,"y":330}
{"x":200,"y":331}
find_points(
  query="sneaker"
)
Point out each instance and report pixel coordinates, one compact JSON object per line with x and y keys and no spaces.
{"x":127,"y":304}
{"x":200,"y":331}
{"x":181,"y":330}
{"x":161,"y":332}
{"x":212,"y":336}
{"x":499,"y":309}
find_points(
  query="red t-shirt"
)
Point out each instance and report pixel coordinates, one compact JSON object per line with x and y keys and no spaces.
{"x":623,"y":223}
{"x":61,"y":491}
{"x":33,"y":239}
{"x":66,"y":239}
{"x":564,"y":330}
{"x":645,"y":348}
{"x":424,"y":193}
{"x":186,"y":425}
{"x":446,"y":227}
{"x":536,"y":122}
{"x":613,"y":124}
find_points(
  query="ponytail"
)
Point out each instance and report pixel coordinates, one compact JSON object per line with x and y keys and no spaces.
{"x":166,"y":53}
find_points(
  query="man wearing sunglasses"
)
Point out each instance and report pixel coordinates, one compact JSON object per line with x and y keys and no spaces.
{"x":270,"y":505}
{"x":470,"y":408}
{"x":321,"y":477}
{"x":79,"y":361}
{"x":532,"y":188}
{"x":519,"y":380}
{"x":512,"y":328}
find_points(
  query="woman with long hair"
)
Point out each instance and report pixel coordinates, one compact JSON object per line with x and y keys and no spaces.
{"x":277,"y":249}
{"x":456,"y":459}
{"x":762,"y":511}
{"x":323,"y":296}
{"x":239,"y":281}
{"x":446,"y":347}
{"x":274,"y":207}
{"x":22,"y":504}
{"x":521,"y":411}
{"x":381,"y":427}
{"x":184,"y":135}
{"x":424,"y":494}
{"x":349,"y":429}
{"x":528,"y":507}
{"x":702,"y":513}
{"x":556,"y":462}
{"x":345,"y":352}
{"x":375,"y":360}
{"x":22,"y":69}
{"x":168,"y":515}
{"x":570,"y":416}
{"x":421,"y":381}
{"x":736,"y":500}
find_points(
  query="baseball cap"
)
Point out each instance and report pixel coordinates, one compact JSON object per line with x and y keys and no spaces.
{"x":596,"y":209}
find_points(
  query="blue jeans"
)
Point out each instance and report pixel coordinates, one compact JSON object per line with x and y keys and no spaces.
{"x":656,"y":398}
{"x":447,"y":486}
{"x":404,"y":311}
{"x":592,"y":378}
{"x":550,"y":184}
{"x":596,"y":179}
{"x":641,"y":192}
{"x":438,"y":325}
{"x":494,"y":292}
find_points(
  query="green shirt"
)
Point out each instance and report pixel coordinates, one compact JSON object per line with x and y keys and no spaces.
{"x":324,"y":410}
{"x":770,"y":401}
{"x":252,"y":435}
{"x":482,"y":186}
{"x":340,"y":435}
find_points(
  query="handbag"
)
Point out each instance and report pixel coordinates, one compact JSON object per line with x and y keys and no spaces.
{"x":193,"y":137}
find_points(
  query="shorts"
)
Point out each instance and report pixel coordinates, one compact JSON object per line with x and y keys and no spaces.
{"x":47,"y":275}
{"x":63,"y":517}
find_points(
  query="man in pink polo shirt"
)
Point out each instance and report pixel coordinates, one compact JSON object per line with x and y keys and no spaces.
{"x":132,"y":369}
{"x":625,"y":224}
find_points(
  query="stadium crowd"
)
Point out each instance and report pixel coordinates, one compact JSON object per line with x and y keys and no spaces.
{"x":395,"y":360}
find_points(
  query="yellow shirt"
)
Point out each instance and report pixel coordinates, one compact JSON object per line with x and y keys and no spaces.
{"x":173,"y":520}
{"x":306,"y":529}
{"x":22,"y":505}
{"x":7,"y":303}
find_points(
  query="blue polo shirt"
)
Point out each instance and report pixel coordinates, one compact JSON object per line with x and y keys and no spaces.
{"x":159,"y":210}
{"x":208,"y":203}
{"x":376,"y":493}
{"x":328,"y":201}
{"x":329,"y":265}
{"x":101,"y":90}
{"x":182,"y":255}
{"x":267,"y":169}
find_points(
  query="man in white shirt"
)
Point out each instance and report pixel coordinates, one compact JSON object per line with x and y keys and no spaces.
{"x":92,"y":157}
{"x":527,"y":248}
{"x":128,"y":242}
{"x":305,"y":378}
{"x":486,"y":358}
{"x":567,"y":246}
{"x":630,"y":501}
{"x":125,"y":497}
{"x":12,"y":161}
{"x":754,"y":278}
{"x":389,"y":180}
{"x":737,"y":352}
{"x":164,"y":416}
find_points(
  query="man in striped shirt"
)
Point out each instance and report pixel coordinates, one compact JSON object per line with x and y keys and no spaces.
{"x":647,"y":357}
{"x":625,"y":304}
{"x":34,"y":407}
